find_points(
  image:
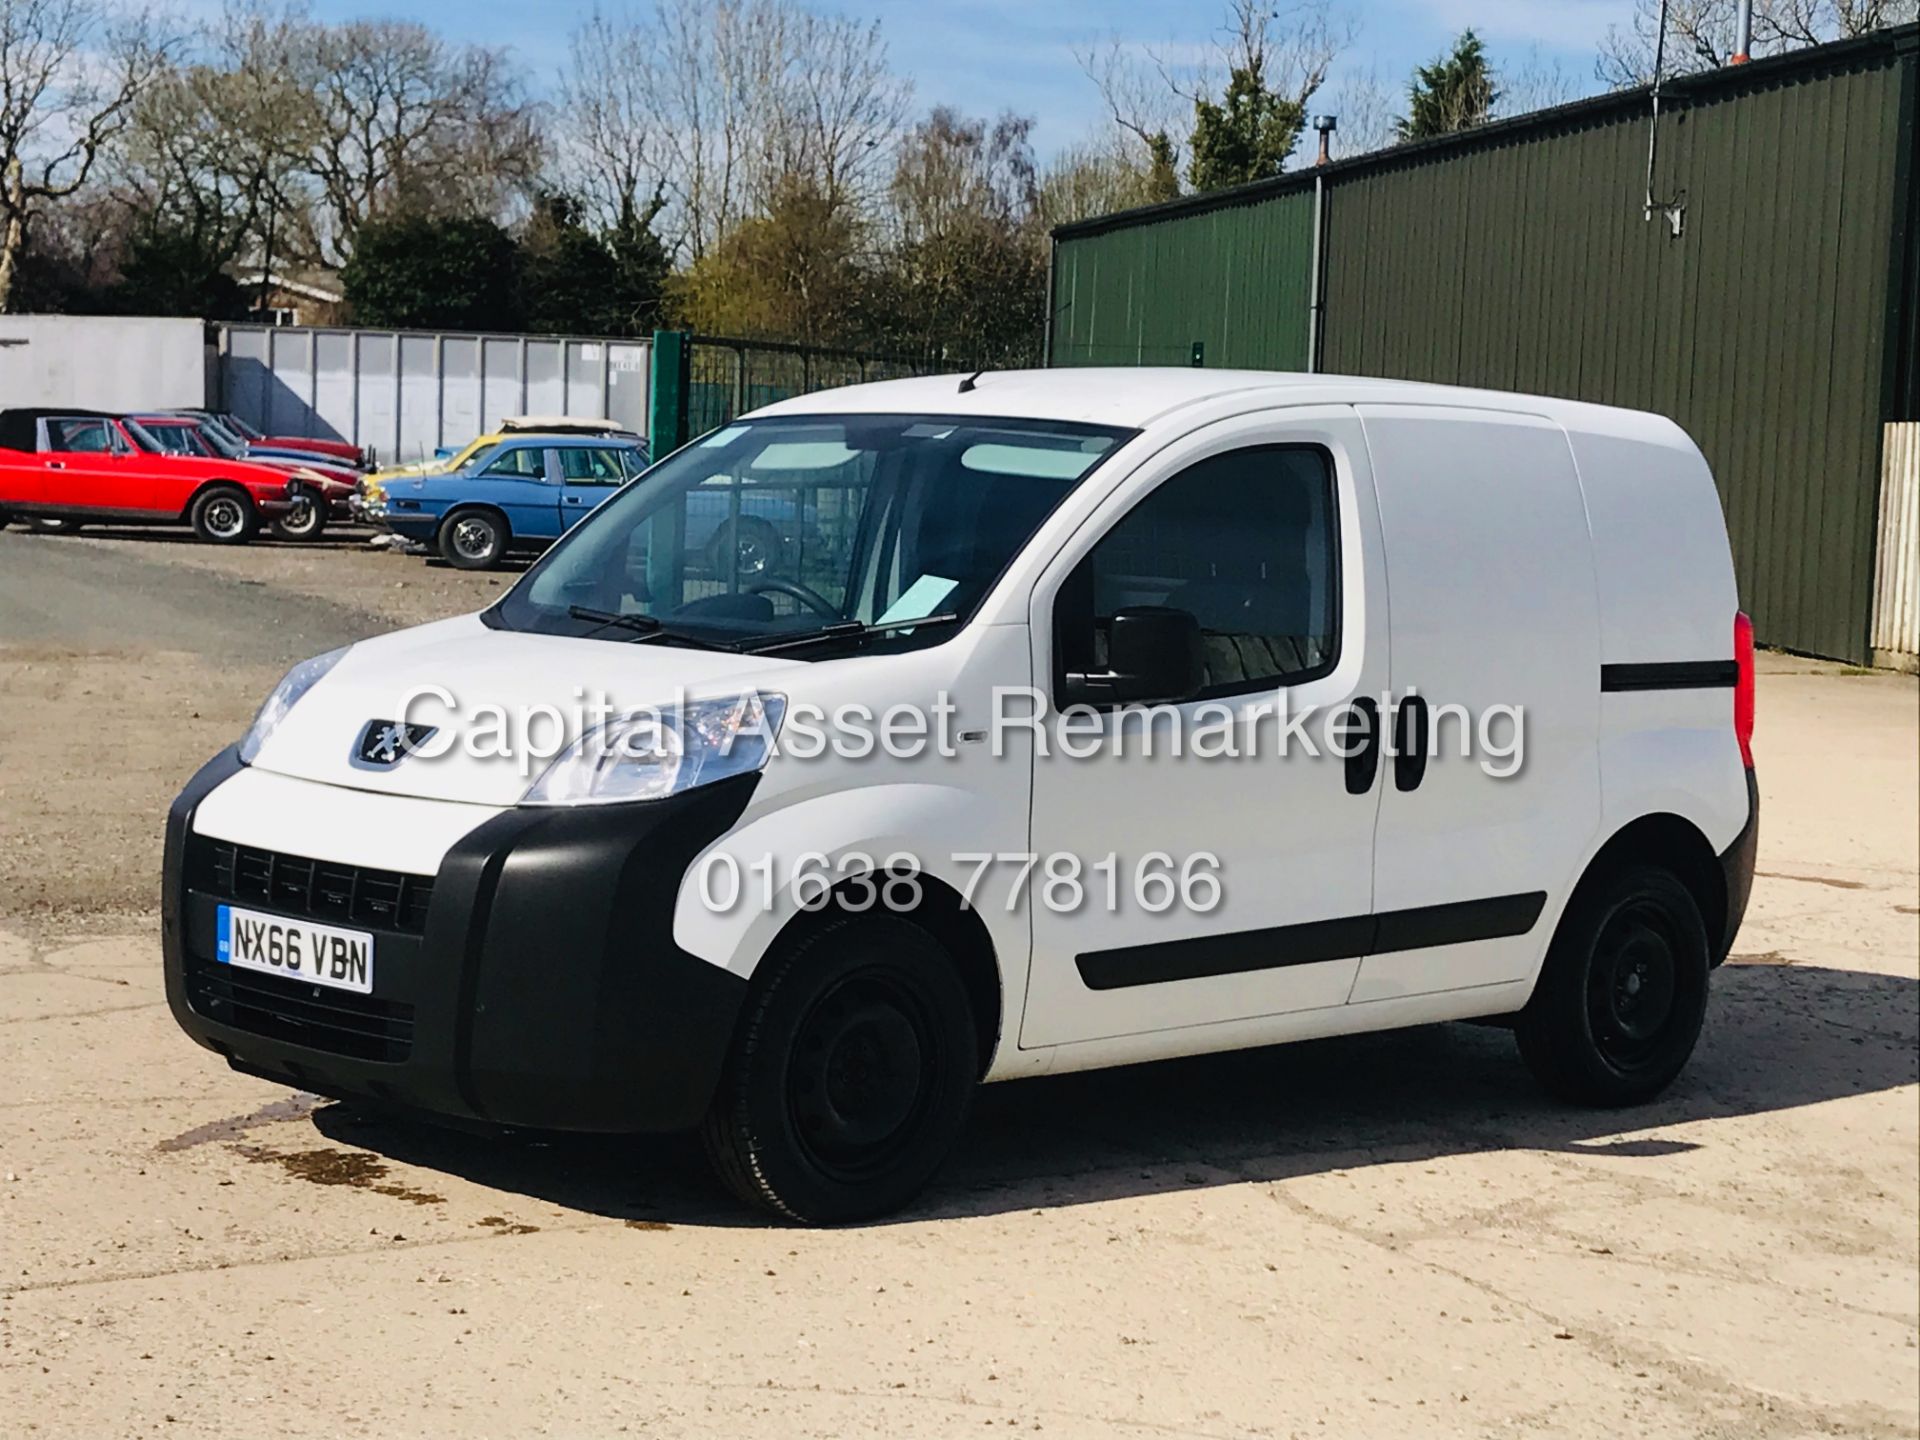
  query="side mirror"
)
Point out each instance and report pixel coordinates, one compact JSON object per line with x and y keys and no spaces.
{"x":1154,"y":653}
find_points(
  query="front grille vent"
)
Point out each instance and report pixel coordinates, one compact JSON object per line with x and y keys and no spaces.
{"x":317,"y":889}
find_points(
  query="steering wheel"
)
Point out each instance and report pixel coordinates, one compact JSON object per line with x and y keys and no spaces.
{"x":805,"y":594}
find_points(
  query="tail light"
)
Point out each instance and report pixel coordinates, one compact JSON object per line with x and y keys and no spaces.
{"x":1743,"y":687}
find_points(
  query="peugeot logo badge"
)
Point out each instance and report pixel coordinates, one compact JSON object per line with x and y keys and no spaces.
{"x":385,"y":743}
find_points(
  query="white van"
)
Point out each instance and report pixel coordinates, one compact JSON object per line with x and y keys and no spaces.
{"x":1082,"y":717}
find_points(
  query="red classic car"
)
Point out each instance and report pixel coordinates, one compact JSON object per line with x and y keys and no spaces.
{"x":344,"y":450}
{"x":61,"y":469}
{"x":320,"y":491}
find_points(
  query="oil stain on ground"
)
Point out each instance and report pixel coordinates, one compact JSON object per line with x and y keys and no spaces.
{"x":294,"y":1107}
{"x":355,"y":1169}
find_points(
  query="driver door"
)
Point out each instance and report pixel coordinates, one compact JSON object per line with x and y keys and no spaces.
{"x":1264,"y":529}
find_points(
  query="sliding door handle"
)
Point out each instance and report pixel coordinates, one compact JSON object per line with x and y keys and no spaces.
{"x":1410,"y":742}
{"x":1363,"y":740}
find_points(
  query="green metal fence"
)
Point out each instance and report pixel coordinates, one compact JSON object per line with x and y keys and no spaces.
{"x":702,"y":381}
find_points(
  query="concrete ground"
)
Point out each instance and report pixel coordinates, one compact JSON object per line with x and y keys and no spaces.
{"x":1393,"y":1235}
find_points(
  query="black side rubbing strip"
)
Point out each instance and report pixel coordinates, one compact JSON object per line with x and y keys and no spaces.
{"x":1672,"y":675}
{"x":1348,"y":938}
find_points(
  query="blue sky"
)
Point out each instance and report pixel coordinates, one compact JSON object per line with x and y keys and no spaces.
{"x":982,"y":56}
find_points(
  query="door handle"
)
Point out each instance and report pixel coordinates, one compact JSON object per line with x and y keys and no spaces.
{"x":1410,"y":742}
{"x":56,"y":464}
{"x":1363,"y":760}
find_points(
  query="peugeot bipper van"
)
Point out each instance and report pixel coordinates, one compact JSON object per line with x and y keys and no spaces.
{"x":1086,"y":717}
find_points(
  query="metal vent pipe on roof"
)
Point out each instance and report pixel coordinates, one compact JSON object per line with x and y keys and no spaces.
{"x":1742,"y":32}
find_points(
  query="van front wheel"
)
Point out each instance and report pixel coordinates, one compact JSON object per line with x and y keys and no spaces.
{"x":1624,"y":991}
{"x":851,"y":1073}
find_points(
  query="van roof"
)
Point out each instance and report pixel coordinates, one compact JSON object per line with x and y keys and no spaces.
{"x":1140,"y":396}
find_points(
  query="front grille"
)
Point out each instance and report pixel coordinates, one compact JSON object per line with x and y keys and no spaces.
{"x":316,"y":889}
{"x":337,"y":1021}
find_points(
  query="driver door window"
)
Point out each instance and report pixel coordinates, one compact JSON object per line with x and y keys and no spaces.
{"x":80,"y":437}
{"x":1244,"y":541}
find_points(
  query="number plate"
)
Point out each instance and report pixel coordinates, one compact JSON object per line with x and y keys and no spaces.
{"x":296,"y":949}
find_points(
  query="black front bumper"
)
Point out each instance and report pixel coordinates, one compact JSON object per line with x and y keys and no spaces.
{"x":537,"y":985}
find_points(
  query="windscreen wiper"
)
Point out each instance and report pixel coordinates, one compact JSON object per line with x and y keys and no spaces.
{"x":848,"y":630}
{"x":646,"y":627}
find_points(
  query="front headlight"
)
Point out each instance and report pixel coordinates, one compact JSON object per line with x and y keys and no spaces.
{"x":653,"y":754}
{"x":295,"y":683}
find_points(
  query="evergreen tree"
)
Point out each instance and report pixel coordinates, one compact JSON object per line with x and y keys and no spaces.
{"x":1246,"y":135}
{"x":419,"y":272}
{"x":1455,"y":92}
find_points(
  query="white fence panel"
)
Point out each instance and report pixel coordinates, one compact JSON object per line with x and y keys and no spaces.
{"x":107,"y":362}
{"x":406,"y":394}
{"x":1896,"y":585}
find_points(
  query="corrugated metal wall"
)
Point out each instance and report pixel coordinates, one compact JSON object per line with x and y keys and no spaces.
{"x":1762,"y":329}
{"x":406,"y":393}
{"x":1234,"y":280}
{"x":1519,"y":258}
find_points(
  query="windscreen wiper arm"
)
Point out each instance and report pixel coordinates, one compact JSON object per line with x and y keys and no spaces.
{"x":639,"y":624}
{"x":848,"y":630}
{"x":646,"y":627}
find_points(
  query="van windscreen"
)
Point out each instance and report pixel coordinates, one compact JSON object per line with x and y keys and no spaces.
{"x":776,"y":528}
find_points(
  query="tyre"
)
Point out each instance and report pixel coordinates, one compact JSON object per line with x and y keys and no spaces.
{"x":473,"y":539}
{"x":852,"y":1071}
{"x":305,"y":521}
{"x":1623,"y":993}
{"x":224,"y":515}
{"x":757,"y":547}
{"x":54,"y":525}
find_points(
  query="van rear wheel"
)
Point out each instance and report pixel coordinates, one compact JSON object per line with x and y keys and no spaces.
{"x":851,"y":1074}
{"x":1623,"y":993}
{"x":54,"y":525}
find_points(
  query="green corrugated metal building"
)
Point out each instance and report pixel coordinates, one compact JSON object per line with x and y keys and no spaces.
{"x":1777,"y":326}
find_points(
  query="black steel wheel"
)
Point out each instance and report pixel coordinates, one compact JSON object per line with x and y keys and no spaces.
{"x":851,"y":1073}
{"x":1623,"y":994}
{"x":53,"y":525}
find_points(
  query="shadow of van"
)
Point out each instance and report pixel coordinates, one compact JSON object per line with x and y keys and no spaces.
{"x":1778,"y":1037}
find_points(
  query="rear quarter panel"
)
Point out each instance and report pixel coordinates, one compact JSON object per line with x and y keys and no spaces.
{"x":1667,"y":593}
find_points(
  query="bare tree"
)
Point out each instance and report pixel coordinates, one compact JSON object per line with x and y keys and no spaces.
{"x":1154,"y":93}
{"x":1366,"y":110}
{"x":70,"y":72}
{"x":401,"y":121}
{"x":1146,"y":115}
{"x":212,"y":146}
{"x":1700,"y":33}
{"x":748,"y":102}
{"x":611,"y":154}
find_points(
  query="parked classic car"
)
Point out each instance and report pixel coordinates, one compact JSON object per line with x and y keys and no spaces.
{"x":60,"y":469}
{"x":520,"y":493}
{"x":448,"y":458}
{"x":345,"y":450}
{"x":320,"y":491}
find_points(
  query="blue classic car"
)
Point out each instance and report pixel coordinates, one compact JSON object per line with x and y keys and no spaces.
{"x":522,"y":493}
